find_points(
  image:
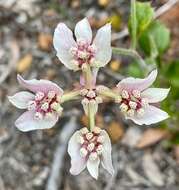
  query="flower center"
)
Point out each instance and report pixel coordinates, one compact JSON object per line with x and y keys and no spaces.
{"x":132,"y":103}
{"x":90,"y":95}
{"x":45,"y":105}
{"x":83,"y":53}
{"x":91,"y":143}
{"x":90,"y":98}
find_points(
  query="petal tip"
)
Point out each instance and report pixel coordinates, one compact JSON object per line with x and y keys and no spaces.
{"x":85,"y":19}
{"x":112,"y":172}
{"x":154,"y":73}
{"x":108,"y":25}
{"x":19,"y":78}
{"x":20,"y":128}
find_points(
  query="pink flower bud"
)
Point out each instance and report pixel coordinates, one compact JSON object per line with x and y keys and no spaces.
{"x":99,"y":149}
{"x":89,"y":135}
{"x":39,"y":96}
{"x":93,"y":156}
{"x":136,"y":93}
{"x":125,"y":94}
{"x":51,"y":94}
{"x":97,"y":130}
{"x":83,"y":152}
{"x":31,"y":105}
{"x":84,"y":130}
{"x":90,"y":147}
{"x":45,"y":106}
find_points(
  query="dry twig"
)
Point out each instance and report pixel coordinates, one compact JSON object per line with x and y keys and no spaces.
{"x":55,"y":177}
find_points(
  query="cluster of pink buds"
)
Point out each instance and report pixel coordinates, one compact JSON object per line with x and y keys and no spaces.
{"x":90,"y":98}
{"x":137,"y":99}
{"x":83,"y":54}
{"x":88,"y":147}
{"x":132,"y":103}
{"x":45,"y":105}
{"x":91,"y":143}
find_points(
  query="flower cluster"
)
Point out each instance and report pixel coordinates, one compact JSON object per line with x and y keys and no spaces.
{"x":137,"y":99}
{"x":88,"y":147}
{"x":42,"y":104}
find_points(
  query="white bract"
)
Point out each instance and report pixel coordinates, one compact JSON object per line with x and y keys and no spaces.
{"x":89,"y":148}
{"x":137,"y":99}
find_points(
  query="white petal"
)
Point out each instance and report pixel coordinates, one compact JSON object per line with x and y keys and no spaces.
{"x":78,"y":164}
{"x":93,"y":167}
{"x":154,"y":95}
{"x":21,"y":99}
{"x":42,"y":85}
{"x":83,"y":30}
{"x":102,"y":42}
{"x":131,"y":83}
{"x":106,"y":154}
{"x":26,"y":122}
{"x":63,"y":41}
{"x":73,"y":145}
{"x":152,"y":115}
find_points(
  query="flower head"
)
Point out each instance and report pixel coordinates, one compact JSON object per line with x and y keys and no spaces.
{"x":87,"y":149}
{"x":42,"y":104}
{"x":90,"y":99}
{"x":137,"y":99}
{"x":76,"y":55}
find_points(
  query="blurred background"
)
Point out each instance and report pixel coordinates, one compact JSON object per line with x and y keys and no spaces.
{"x":143,"y":157}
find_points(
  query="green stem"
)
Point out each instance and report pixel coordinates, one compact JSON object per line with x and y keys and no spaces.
{"x":70,"y":96}
{"x":131,"y":53}
{"x":109,"y":93}
{"x":88,"y":77}
{"x":91,"y":117}
{"x":133,"y":24}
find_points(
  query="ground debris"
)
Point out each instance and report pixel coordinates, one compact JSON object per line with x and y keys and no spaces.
{"x":152,"y":171}
{"x":28,"y":160}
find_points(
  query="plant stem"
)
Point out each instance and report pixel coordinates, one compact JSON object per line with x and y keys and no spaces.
{"x":91,"y":117}
{"x":109,"y":93}
{"x":88,"y":76}
{"x":70,"y":96}
{"x":133,"y":24}
{"x":131,"y":53}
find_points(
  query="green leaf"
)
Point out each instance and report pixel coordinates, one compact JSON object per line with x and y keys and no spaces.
{"x":172,"y":73}
{"x":144,"y":16}
{"x":160,"y":35}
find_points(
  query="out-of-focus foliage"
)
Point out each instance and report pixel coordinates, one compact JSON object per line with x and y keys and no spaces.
{"x":144,"y":16}
{"x":115,"y":20}
{"x":160,"y":36}
{"x":153,"y":40}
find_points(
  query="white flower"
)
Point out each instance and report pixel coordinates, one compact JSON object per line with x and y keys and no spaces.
{"x":76,"y":54}
{"x":43,"y":106}
{"x":137,"y":99}
{"x":89,"y":152}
